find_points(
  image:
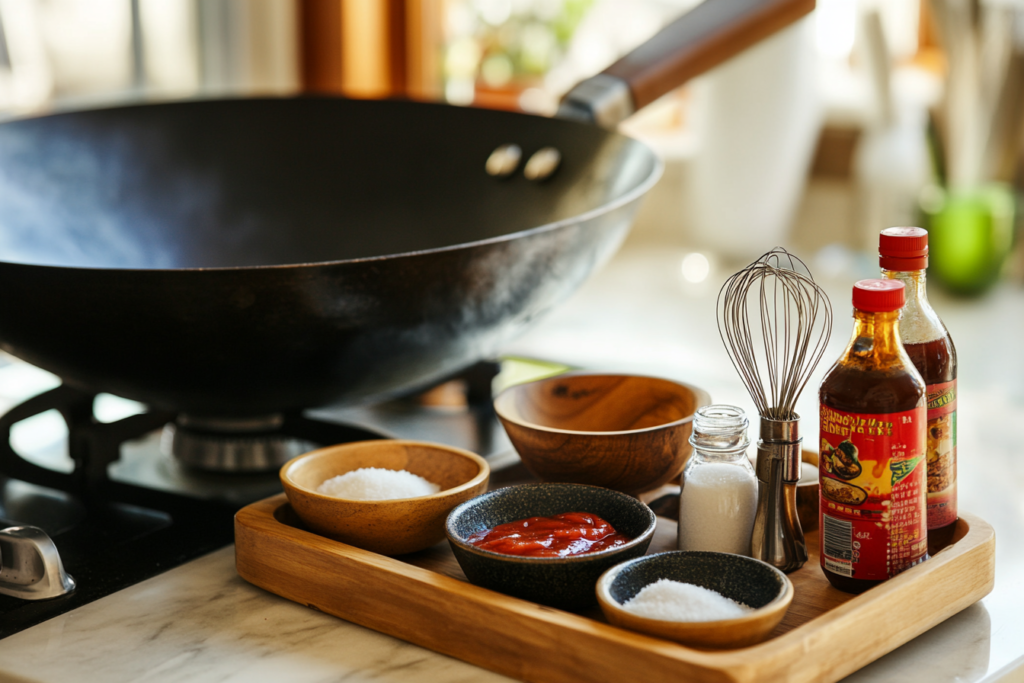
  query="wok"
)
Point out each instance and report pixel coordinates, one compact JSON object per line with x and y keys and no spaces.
{"x":255,"y":256}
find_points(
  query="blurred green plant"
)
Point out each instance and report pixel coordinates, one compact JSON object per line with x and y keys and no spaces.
{"x":519,"y":40}
{"x":970,"y":234}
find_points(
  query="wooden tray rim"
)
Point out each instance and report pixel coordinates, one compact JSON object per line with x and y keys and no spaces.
{"x":740,"y":664}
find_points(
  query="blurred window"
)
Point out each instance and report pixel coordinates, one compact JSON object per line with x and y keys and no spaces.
{"x":69,"y":53}
{"x":525,"y":54}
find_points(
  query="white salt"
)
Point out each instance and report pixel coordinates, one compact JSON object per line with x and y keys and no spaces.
{"x":669,"y":600}
{"x":717,"y":508}
{"x":376,"y":483}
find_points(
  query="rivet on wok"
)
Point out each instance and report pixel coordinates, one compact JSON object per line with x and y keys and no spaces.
{"x":542,"y":164}
{"x":504,"y":161}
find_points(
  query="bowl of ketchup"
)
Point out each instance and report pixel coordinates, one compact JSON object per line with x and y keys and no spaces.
{"x":548,"y":543}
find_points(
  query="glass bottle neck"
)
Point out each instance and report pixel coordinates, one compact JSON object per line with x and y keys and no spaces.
{"x":915,"y":284}
{"x":719,"y":433}
{"x":920,"y":322}
{"x":876,"y":335}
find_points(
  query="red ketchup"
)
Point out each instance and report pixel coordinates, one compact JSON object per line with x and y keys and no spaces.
{"x":569,"y":533}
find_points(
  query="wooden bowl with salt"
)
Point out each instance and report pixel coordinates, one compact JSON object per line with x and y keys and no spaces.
{"x":624,"y":432}
{"x":390,"y":527}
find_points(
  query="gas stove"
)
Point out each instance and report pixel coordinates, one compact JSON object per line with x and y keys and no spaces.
{"x":121,"y":493}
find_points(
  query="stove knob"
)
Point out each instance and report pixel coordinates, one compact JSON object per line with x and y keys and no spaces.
{"x":30,"y":566}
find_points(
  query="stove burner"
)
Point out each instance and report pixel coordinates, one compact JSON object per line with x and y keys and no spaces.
{"x":94,"y":446}
{"x":229,"y":453}
{"x":232,"y":444}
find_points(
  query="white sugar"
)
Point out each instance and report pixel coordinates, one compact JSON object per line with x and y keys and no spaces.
{"x":376,"y":483}
{"x":717,"y":508}
{"x":669,"y":600}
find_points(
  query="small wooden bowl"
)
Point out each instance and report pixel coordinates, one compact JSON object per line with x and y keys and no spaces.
{"x":388,"y":527}
{"x":744,"y":579}
{"x":624,"y":432}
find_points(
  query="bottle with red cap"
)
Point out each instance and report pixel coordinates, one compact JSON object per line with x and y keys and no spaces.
{"x":872,"y":473}
{"x":903,"y":256}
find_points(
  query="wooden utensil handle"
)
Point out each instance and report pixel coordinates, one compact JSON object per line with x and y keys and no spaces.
{"x":699,"y":40}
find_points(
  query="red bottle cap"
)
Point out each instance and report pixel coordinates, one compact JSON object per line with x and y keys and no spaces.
{"x":875,"y":296}
{"x":903,"y":249}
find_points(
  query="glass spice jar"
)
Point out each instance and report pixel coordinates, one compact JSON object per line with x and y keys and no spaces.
{"x":718,"y":499}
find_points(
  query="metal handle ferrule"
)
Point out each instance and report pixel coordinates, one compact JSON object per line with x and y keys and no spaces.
{"x":777,"y":537}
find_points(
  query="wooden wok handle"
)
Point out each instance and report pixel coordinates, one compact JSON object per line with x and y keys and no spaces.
{"x":704,"y":37}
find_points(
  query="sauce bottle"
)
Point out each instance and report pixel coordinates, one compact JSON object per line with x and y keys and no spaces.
{"x":903,"y":256}
{"x":872,"y":474}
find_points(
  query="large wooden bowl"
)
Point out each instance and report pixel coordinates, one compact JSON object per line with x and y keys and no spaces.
{"x":623,"y":432}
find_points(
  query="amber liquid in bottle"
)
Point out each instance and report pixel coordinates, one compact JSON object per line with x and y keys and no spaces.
{"x":874,"y":375}
{"x":935,"y":359}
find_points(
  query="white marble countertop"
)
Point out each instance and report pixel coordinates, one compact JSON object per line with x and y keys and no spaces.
{"x":201,"y":622}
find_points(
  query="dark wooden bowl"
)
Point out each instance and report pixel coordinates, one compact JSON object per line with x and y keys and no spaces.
{"x":624,"y":432}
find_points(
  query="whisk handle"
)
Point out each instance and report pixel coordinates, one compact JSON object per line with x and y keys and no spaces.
{"x":777,"y":537}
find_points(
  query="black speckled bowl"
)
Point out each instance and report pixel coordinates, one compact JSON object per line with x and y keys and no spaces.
{"x":566,"y":582}
{"x":752,"y":582}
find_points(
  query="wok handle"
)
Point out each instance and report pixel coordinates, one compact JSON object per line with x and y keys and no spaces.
{"x":704,"y":37}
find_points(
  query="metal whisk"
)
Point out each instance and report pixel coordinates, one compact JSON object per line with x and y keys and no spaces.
{"x":775,"y":346}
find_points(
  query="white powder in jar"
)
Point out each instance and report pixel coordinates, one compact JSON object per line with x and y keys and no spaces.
{"x":377,"y":483}
{"x":717,"y":508}
{"x":670,"y":600}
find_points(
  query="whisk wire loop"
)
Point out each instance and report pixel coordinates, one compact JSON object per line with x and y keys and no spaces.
{"x":794,"y":318}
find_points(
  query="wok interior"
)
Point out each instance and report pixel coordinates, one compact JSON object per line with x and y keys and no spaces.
{"x":598,"y":403}
{"x":266,"y":182}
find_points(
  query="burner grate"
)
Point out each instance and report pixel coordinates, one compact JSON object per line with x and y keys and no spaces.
{"x":127,"y":512}
{"x":112,"y":534}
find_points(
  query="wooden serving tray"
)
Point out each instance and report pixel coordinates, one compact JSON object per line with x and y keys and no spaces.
{"x":425,"y":599}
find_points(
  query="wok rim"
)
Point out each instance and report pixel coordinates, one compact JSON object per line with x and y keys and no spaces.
{"x":635,"y":193}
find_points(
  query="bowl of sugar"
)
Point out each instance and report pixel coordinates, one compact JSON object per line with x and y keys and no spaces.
{"x":388,"y":496}
{"x":702,"y":599}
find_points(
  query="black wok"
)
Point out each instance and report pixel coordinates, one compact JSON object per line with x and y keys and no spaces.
{"x":257,"y":256}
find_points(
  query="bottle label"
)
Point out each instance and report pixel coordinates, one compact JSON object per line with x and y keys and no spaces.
{"x":873,"y":479}
{"x":941,"y":450}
